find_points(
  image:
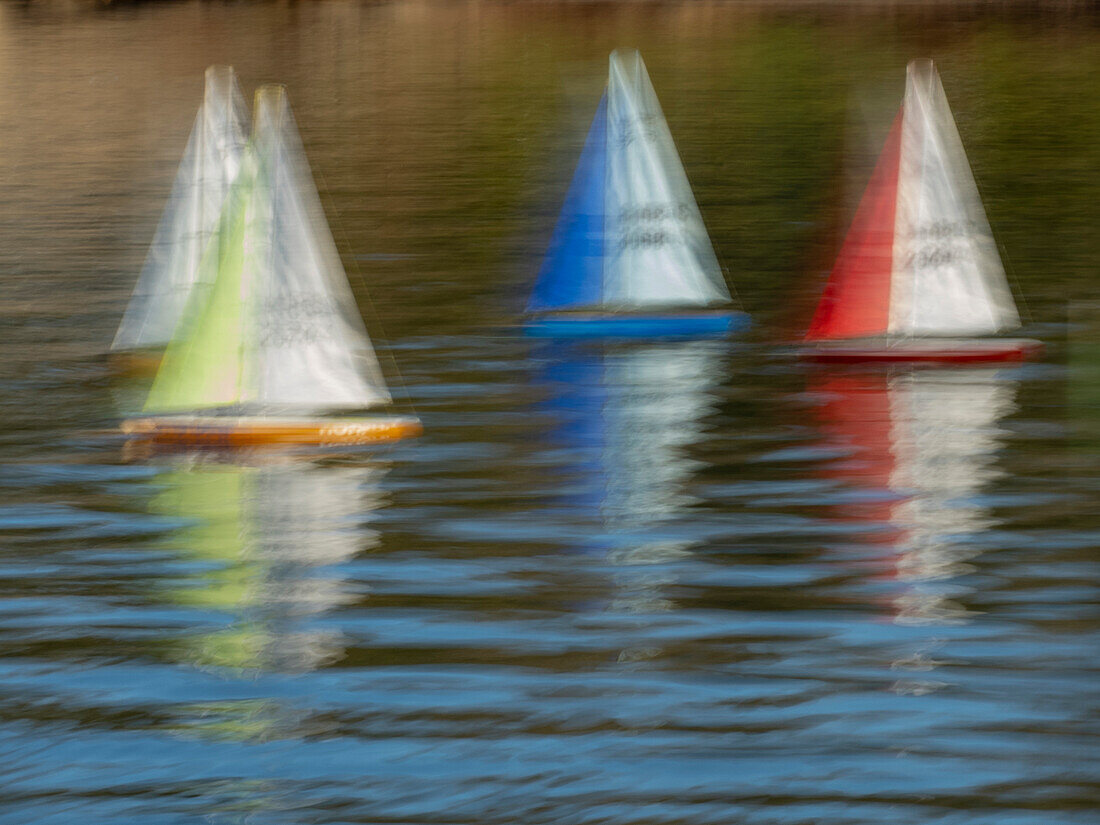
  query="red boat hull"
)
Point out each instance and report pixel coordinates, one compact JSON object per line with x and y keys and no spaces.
{"x":924,"y":350}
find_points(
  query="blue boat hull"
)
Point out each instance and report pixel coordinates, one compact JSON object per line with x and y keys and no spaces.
{"x":665,"y":325}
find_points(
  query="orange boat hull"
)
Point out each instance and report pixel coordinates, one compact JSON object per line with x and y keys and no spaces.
{"x":223,"y":431}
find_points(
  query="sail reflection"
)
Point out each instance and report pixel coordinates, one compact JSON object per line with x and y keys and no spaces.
{"x":262,"y":538}
{"x":629,"y":415}
{"x":920,"y":447}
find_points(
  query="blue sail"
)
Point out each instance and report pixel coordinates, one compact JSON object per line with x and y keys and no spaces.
{"x":572,"y":271}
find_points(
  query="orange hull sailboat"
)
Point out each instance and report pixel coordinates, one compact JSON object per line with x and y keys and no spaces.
{"x":270,"y":348}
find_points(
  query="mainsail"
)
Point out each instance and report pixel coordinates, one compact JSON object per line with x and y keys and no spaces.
{"x":209,"y":166}
{"x":630,"y":234}
{"x":920,"y":257}
{"x":278,"y":329}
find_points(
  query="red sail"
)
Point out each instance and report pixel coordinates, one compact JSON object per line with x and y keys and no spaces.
{"x":856,"y":302}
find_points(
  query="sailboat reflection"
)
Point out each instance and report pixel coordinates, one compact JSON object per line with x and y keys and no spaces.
{"x":919,"y":447}
{"x":627,"y":415}
{"x":261,"y":538}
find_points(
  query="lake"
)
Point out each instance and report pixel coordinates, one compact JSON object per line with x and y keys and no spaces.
{"x":650,"y":583}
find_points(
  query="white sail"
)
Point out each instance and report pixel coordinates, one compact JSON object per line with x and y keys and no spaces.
{"x":947,"y":276}
{"x":210,"y":164}
{"x":657,"y":248}
{"x":308,"y":346}
{"x":278,"y":330}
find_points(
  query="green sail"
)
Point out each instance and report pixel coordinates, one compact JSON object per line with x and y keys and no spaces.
{"x":202,"y":366}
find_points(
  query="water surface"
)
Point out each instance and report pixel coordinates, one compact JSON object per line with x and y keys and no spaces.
{"x":680,"y":582}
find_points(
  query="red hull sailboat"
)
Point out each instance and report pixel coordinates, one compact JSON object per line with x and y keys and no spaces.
{"x":918,"y":277}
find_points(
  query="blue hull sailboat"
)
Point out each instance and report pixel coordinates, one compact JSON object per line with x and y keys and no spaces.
{"x":630,"y":256}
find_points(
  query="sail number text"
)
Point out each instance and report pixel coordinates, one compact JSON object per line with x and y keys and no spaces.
{"x":287,"y":320}
{"x":646,"y":225}
{"x":938,"y":244}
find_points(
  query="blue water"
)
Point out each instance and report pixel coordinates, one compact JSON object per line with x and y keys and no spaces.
{"x":625,"y":582}
{"x":604,"y":587}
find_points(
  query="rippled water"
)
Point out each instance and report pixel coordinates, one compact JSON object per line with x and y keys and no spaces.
{"x":687,"y":582}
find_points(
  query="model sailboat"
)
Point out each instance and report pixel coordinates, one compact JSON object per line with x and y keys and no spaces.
{"x":209,"y":167}
{"x":271,"y":341}
{"x":918,"y":277}
{"x":630,"y":255}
